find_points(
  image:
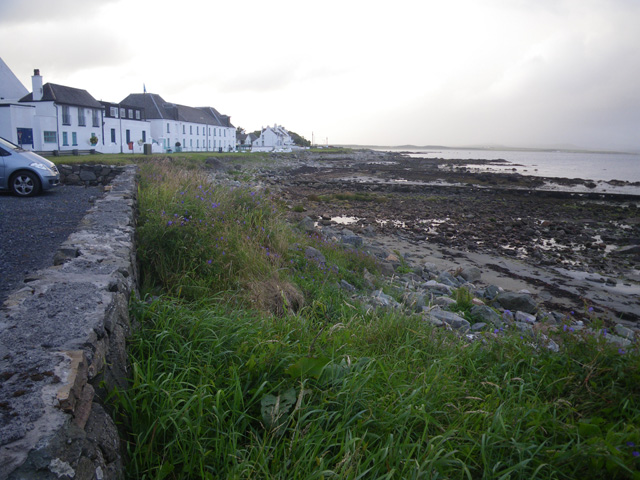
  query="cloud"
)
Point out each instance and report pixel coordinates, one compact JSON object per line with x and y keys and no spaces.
{"x":28,"y":11}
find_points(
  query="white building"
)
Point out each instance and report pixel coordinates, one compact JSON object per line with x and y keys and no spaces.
{"x":15,"y":118}
{"x":181,"y":128}
{"x":274,"y":138}
{"x":65,"y":118}
{"x":125,"y":129}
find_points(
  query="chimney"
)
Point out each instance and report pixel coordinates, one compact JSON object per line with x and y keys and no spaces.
{"x":36,"y":83}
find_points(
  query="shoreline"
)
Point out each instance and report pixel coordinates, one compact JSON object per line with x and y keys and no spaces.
{"x":571,"y":250}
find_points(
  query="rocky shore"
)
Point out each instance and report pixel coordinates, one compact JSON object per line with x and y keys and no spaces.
{"x":573,"y":250}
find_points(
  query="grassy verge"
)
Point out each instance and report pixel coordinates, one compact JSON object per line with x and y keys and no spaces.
{"x":251,"y":362}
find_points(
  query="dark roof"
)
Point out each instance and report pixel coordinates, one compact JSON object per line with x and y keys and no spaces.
{"x":223,"y":120}
{"x":157,"y":108}
{"x":64,"y":95}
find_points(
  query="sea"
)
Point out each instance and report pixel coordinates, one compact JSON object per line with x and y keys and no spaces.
{"x":597,"y":166}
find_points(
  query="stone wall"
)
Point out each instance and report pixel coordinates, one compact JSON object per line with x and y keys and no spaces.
{"x":62,"y":349}
{"x":88,"y":174}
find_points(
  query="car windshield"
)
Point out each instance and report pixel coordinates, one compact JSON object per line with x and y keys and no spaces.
{"x":9,"y":146}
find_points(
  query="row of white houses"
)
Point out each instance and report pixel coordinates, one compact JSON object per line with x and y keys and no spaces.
{"x":57,"y":118}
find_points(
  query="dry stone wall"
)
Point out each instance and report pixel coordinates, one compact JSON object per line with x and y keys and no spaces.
{"x":62,"y":349}
{"x":88,"y":174}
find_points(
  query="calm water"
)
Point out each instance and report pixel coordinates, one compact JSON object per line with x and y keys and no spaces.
{"x":588,"y":166}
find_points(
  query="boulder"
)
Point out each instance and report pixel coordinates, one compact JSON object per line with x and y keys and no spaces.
{"x":517,"y":301}
{"x":452,"y":319}
{"x":471,"y":274}
{"x":314,"y":255}
{"x":486,"y":314}
{"x":525,"y":317}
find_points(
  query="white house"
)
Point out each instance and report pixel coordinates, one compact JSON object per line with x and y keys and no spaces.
{"x":125,"y":129}
{"x":65,"y":118}
{"x":181,"y":128}
{"x":15,"y":118}
{"x":273,"y":138}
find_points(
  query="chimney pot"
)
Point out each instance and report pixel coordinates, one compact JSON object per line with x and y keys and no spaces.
{"x":36,"y":71}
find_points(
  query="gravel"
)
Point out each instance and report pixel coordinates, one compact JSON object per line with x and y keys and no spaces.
{"x":32,"y":229}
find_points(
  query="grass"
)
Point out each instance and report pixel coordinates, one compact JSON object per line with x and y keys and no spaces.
{"x":250,"y":362}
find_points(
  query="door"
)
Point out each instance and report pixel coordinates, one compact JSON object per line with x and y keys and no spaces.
{"x":25,"y":137}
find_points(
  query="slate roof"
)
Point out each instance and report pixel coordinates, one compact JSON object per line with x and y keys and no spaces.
{"x":62,"y":95}
{"x":157,"y":108}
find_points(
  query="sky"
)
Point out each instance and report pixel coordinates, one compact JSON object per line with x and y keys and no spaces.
{"x":528,"y":73}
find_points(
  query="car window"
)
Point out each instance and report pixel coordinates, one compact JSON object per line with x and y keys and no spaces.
{"x":8,"y":146}
{"x":4,"y":153}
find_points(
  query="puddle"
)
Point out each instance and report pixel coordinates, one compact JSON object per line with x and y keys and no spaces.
{"x":345,"y":220}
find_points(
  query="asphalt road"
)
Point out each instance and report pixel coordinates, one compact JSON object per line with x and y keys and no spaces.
{"x":32,"y":229}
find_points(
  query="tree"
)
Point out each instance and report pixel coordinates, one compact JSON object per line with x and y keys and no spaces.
{"x":299,"y":140}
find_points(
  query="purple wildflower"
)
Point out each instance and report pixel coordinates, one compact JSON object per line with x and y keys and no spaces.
{"x":169,"y":223}
{"x":635,"y":453}
{"x":621,"y":351}
{"x":631,"y":444}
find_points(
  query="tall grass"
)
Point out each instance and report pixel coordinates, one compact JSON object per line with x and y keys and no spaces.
{"x":223,"y":389}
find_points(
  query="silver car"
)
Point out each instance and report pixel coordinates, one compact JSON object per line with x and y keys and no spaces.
{"x":25,"y":173}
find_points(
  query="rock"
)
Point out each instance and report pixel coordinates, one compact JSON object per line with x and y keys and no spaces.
{"x":368,"y":279}
{"x":354,"y":240}
{"x":386,"y":268}
{"x":476,"y":327}
{"x":414,"y":300}
{"x":347,"y":286}
{"x":314,"y":255}
{"x":628,"y":250}
{"x":443,"y":301}
{"x":524,"y":327}
{"x":448,"y":279}
{"x":517,"y":301}
{"x":486,"y":314}
{"x":553,"y":346}
{"x":381,"y":299}
{"x":491,"y":292}
{"x":623,"y":342}
{"x":430,"y":267}
{"x":624,"y":331}
{"x":438,"y":287}
{"x":434,"y":321}
{"x":525,"y":317}
{"x":471,"y":274}
{"x":450,"y":318}
{"x":307,"y":225}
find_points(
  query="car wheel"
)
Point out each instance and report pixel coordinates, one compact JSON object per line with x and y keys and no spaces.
{"x":25,"y":184}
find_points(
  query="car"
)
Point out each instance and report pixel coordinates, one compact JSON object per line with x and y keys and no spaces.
{"x":25,"y":173}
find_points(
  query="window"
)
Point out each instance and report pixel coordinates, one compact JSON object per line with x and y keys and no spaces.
{"x":81,"y":120}
{"x":95,"y":117}
{"x":184,"y":128}
{"x":137,"y":114}
{"x":113,"y":135}
{"x":191,"y":142}
{"x":168,"y":128}
{"x":197,"y":143}
{"x":144,"y":136}
{"x":225,"y":133}
{"x":197,"y":130}
{"x":74,"y":139}
{"x":123,"y":112}
{"x":131,"y":114}
{"x":190,"y":129}
{"x":66,"y":116}
{"x":128,"y":135}
{"x":50,"y":137}
{"x":65,"y":139}
{"x":113,"y":112}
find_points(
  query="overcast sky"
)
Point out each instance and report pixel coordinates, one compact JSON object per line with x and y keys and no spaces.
{"x":454,"y":72}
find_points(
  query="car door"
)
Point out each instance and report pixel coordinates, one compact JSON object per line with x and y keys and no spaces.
{"x":3,"y":179}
